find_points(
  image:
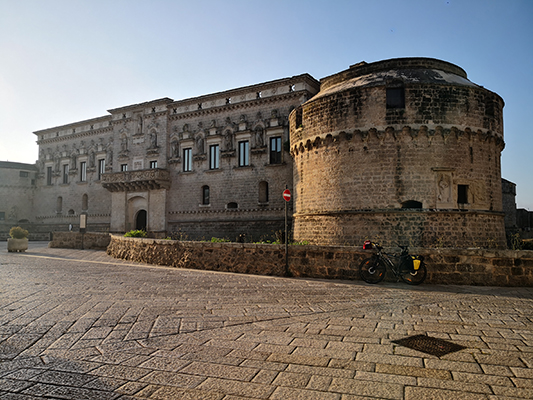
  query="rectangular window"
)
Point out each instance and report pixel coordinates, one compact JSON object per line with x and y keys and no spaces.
{"x":65,"y":174}
{"x":153,"y":164}
{"x":2,"y":216}
{"x":275,"y":150}
{"x":187,"y":160}
{"x":101,"y":168}
{"x":462,"y":194}
{"x":49,"y":176}
{"x":244,"y":154}
{"x":396,"y":97}
{"x":123,"y":167}
{"x":214,"y":157}
{"x":83,"y":171}
{"x":24,"y":174}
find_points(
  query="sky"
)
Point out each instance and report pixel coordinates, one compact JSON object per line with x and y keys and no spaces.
{"x":62,"y":61}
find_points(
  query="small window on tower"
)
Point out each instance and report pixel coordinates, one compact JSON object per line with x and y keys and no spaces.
{"x":462,"y":194}
{"x":411,"y":204}
{"x":396,"y":97}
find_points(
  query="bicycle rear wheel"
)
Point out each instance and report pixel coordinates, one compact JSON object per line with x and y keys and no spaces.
{"x":413,"y":277}
{"x":372,"y":270}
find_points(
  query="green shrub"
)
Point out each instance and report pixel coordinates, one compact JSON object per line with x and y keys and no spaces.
{"x":219,"y":240}
{"x":136,"y":233}
{"x":527,"y":244}
{"x":301,"y":243}
{"x":17,"y":232}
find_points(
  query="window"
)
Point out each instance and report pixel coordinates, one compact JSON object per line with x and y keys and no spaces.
{"x":83,"y":171}
{"x":2,"y":216}
{"x":85,"y":202}
{"x":49,"y":176}
{"x":123,"y":167}
{"x":214,"y":156}
{"x":275,"y":150}
{"x":24,"y":174}
{"x":232,"y":206}
{"x":263,"y":192}
{"x":411,"y":204}
{"x":205,"y":195}
{"x":59,"y":204}
{"x":153,"y":164}
{"x":396,"y":97}
{"x":462,"y":194}
{"x":65,"y":174}
{"x":101,"y":168}
{"x":244,"y":154}
{"x":187,"y":160}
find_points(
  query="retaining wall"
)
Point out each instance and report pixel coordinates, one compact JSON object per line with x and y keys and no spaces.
{"x":77,"y":240}
{"x":447,"y":266}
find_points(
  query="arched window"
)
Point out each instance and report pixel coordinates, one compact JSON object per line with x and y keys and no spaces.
{"x":263,"y":192}
{"x":71,"y":212}
{"x":59,"y":204}
{"x":411,"y":204}
{"x":205,"y":195}
{"x":232,"y":206}
{"x":85,"y":202}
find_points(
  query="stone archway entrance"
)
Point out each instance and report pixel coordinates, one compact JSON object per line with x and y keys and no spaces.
{"x":140,"y":220}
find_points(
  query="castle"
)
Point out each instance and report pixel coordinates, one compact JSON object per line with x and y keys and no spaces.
{"x":402,"y":150}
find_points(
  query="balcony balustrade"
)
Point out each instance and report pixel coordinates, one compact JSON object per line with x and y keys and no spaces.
{"x":134,"y":181}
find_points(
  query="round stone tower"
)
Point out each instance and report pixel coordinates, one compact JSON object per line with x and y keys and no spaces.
{"x":399,"y":151}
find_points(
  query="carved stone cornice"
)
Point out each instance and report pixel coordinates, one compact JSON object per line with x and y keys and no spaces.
{"x":195,"y":113}
{"x":76,"y":135}
{"x":390,"y":133}
{"x":141,"y":180}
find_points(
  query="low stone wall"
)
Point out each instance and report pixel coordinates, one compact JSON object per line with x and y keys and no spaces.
{"x":77,"y":240}
{"x":447,"y":266}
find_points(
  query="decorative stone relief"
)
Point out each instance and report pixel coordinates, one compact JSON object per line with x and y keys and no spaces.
{"x":228,"y":141}
{"x":199,"y":143}
{"x":444,"y":189}
{"x":139,"y":126}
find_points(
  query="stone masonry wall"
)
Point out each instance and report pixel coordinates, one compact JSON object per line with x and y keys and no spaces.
{"x":445,"y":266}
{"x":416,"y":228}
{"x":76,"y":240}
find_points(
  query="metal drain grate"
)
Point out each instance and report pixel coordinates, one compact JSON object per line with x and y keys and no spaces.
{"x":429,"y":345}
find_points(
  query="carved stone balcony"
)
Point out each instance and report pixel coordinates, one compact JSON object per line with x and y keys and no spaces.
{"x":132,"y":181}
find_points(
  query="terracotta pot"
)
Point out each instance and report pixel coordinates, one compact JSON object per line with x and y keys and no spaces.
{"x":17,"y":244}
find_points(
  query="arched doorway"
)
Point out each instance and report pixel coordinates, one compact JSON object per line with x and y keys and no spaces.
{"x":140,"y":220}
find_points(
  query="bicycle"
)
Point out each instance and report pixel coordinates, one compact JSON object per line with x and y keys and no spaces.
{"x":409,"y":268}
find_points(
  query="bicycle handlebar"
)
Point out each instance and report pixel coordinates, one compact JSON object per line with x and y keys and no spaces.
{"x":405,"y":249}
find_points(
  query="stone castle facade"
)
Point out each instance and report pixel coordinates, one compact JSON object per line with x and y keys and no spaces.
{"x":406,"y":150}
{"x":401,"y":150}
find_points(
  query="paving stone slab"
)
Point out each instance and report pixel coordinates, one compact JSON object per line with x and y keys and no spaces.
{"x":110,"y":329}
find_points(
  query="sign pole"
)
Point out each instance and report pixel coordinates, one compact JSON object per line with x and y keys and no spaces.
{"x":287,"y":198}
{"x":83,"y":226}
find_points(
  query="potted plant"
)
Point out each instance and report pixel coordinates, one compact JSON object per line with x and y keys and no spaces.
{"x":18,"y":240}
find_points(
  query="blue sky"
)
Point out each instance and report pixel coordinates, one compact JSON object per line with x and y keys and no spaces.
{"x":64,"y":61}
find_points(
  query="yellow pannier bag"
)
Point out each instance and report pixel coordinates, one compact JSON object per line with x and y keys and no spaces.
{"x":416,"y":263}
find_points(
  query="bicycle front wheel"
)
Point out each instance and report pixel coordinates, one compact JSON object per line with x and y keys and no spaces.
{"x":413,"y":277}
{"x":372,"y":270}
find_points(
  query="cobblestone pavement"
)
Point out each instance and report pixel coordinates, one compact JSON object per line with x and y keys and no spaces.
{"x":81,"y":325}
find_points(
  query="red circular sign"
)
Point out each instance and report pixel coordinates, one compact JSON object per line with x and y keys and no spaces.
{"x":287,"y":195}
